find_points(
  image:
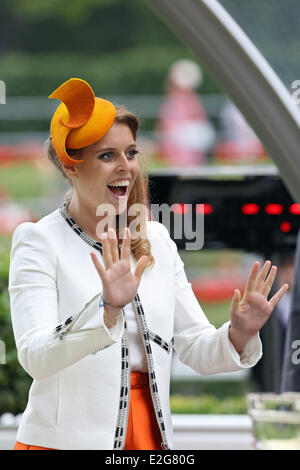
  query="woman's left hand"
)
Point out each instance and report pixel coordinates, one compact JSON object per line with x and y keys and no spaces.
{"x":250,"y":313}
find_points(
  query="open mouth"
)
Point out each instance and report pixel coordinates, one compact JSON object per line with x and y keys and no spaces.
{"x":118,"y":190}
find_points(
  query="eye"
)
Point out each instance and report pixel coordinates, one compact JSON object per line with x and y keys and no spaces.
{"x":107,"y":154}
{"x":132,"y":153}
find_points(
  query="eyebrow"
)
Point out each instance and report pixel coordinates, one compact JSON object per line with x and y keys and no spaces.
{"x":105,"y":149}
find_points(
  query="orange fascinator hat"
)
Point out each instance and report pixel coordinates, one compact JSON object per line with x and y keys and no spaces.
{"x":80,"y":120}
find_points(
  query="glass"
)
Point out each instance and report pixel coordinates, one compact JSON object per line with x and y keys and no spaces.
{"x":275,"y":420}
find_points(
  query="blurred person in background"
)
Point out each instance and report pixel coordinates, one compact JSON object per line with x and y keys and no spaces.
{"x":285,"y":274}
{"x":185,"y":134}
{"x":238,"y":141}
{"x":268,"y":372}
{"x":281,"y":315}
{"x":290,"y":375}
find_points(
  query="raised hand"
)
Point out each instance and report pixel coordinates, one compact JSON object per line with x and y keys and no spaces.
{"x":118,"y":283}
{"x":250,"y":313}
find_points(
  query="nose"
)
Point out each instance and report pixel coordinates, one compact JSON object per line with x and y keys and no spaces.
{"x":123,"y":162}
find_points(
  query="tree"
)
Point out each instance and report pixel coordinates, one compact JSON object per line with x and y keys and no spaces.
{"x":73,"y":11}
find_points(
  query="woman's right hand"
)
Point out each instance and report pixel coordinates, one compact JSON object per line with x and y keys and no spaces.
{"x":118,"y":283}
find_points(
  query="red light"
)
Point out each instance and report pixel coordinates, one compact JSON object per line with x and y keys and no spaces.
{"x":285,"y":227}
{"x":274,"y":209}
{"x":295,"y":209}
{"x":180,"y":208}
{"x":204,"y":209}
{"x":250,"y":209}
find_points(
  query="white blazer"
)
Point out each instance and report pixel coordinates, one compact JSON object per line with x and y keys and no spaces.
{"x":81,"y":389}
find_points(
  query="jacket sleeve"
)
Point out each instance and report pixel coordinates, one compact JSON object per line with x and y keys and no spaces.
{"x":198,"y":343}
{"x":44,"y":345}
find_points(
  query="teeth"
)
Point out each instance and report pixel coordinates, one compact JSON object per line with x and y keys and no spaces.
{"x":120,"y":183}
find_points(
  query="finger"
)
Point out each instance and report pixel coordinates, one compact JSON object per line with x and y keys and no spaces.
{"x":275,"y":299}
{"x":97,"y":264}
{"x":125,"y":248}
{"x":141,"y":266}
{"x":235,"y":302}
{"x":106,"y":252}
{"x":262,"y":276}
{"x":269,"y":282}
{"x":251,"y":279}
{"x":114,"y":245}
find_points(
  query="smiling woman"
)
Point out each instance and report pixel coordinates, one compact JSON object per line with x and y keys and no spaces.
{"x":94,"y":327}
{"x":106,"y":159}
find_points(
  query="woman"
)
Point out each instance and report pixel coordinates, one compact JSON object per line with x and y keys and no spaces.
{"x":95,"y":318}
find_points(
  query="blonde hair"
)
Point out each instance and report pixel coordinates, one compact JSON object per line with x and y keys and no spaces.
{"x":139,"y":192}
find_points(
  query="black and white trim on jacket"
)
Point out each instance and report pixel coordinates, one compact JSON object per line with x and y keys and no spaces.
{"x":147,"y":335}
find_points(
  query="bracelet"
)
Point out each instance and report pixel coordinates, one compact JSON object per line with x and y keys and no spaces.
{"x":114,"y":306}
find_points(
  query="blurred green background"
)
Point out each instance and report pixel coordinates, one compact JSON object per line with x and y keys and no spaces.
{"x":120,"y":47}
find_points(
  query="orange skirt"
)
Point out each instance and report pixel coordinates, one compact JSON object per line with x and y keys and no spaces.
{"x":21,"y":446}
{"x":142,"y":431}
